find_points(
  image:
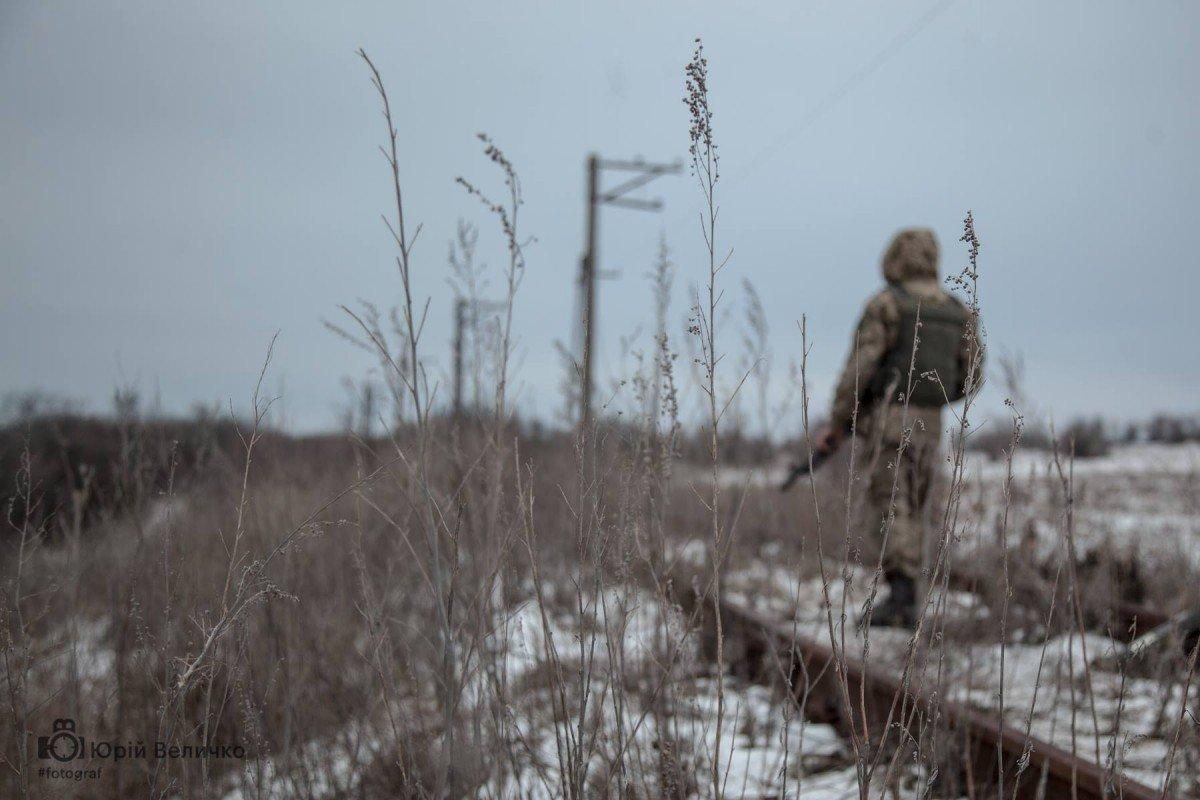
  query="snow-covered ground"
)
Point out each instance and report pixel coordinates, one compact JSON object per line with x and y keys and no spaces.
{"x":1140,"y":500}
{"x":766,"y":747}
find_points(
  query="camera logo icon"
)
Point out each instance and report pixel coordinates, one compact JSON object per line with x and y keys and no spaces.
{"x":61,"y":745}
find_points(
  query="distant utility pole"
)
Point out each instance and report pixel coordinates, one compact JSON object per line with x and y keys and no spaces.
{"x":588,"y":266}
{"x":460,"y":321}
{"x":466,"y":312}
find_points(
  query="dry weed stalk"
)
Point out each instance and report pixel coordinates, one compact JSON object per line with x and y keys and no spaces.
{"x":705,"y":167}
{"x":17,"y":643}
{"x":433,"y":526}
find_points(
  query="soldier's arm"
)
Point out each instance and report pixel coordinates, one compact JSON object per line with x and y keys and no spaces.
{"x":875,"y":335}
{"x":971,"y":353}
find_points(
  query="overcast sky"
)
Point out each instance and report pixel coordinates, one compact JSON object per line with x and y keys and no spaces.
{"x":180,"y":180}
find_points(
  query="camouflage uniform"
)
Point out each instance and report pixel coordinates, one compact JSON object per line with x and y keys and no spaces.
{"x":911,"y":265}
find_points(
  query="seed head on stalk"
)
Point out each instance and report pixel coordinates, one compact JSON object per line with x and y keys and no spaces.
{"x":703,"y":149}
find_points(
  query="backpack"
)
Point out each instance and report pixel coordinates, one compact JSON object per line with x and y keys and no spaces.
{"x":938,"y":342}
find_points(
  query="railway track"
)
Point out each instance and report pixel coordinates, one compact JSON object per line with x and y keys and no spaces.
{"x":989,"y":752}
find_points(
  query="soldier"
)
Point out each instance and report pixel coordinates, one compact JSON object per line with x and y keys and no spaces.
{"x":874,"y":397}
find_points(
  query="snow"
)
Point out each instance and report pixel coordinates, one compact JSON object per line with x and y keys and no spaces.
{"x":1123,"y":460}
{"x":1139,"y":501}
{"x":766,"y":747}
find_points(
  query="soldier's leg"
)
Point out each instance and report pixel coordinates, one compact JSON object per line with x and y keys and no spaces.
{"x":895,"y":511}
{"x":893,"y":493}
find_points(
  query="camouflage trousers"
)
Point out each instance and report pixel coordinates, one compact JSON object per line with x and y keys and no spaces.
{"x":898,"y":482}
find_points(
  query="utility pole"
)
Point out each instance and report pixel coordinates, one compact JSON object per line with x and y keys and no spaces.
{"x":460,"y":321}
{"x":589,"y":273}
{"x":467,"y":313}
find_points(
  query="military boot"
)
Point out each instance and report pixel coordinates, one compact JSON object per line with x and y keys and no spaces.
{"x":899,"y":610}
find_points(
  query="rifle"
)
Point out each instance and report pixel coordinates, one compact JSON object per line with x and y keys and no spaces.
{"x":800,"y":469}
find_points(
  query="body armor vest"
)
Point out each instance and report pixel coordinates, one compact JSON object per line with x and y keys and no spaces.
{"x":936,"y":378}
